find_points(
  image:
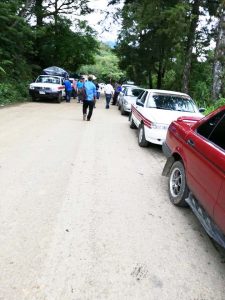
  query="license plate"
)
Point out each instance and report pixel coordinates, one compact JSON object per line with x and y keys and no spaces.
{"x":42,"y":92}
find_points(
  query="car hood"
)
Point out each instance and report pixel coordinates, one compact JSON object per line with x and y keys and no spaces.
{"x":167,"y":116}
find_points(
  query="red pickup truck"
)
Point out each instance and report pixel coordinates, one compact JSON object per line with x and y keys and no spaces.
{"x":195,"y":150}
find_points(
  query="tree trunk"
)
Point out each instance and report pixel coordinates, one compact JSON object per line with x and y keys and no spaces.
{"x":150,"y":79}
{"x":190,"y":45}
{"x":38,"y":10}
{"x":218,"y":66}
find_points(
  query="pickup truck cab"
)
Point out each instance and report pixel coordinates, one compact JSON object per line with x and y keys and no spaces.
{"x":195,"y":150}
{"x":48,"y":87}
{"x":154,"y":110}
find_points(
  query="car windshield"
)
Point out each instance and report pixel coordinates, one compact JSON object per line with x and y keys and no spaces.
{"x":48,"y":79}
{"x":172,"y":102}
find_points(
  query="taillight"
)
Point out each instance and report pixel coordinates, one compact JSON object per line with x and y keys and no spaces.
{"x":61,"y":87}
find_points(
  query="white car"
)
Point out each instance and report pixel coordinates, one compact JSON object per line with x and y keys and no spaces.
{"x":129,"y":97}
{"x":121,"y":94}
{"x":155,"y":110}
{"x":48,"y":87}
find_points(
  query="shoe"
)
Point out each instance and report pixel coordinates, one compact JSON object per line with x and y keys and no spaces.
{"x":88,"y":120}
{"x":84,"y":117}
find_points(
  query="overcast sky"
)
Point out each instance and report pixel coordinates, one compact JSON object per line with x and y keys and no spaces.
{"x":100,"y":6}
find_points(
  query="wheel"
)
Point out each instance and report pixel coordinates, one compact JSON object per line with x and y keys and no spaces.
{"x":132,"y":124}
{"x":122,"y":111}
{"x":33,"y":98}
{"x":141,"y":136}
{"x":178,"y":189}
{"x":59,"y":99}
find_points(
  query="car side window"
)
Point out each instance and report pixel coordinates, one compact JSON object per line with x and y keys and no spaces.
{"x":218,"y":133}
{"x":143,"y":98}
{"x":207,"y":127}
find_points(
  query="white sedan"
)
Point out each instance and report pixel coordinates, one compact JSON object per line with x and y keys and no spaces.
{"x":155,"y":110}
{"x":128,"y":98}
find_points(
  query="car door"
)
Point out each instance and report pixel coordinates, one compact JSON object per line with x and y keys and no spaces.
{"x":138,"y":109}
{"x":204,"y":161}
{"x":217,"y":138}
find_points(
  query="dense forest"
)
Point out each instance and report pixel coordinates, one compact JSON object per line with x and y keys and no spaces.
{"x":168,"y":44}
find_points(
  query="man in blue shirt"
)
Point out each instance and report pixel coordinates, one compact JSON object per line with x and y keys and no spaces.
{"x":68,"y":89}
{"x":90,"y":97}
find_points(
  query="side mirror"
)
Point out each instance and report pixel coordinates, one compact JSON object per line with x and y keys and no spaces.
{"x":201,"y":109}
{"x":139,"y":103}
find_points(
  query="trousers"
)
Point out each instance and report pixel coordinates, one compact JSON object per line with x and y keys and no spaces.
{"x":88,"y":104}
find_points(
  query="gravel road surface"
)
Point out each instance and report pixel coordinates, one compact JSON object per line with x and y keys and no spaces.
{"x":85,"y":214}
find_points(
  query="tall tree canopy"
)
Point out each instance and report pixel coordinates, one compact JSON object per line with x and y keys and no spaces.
{"x":165,"y":43}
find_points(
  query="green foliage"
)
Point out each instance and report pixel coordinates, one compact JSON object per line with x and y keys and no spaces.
{"x":106,"y":65}
{"x":214,"y":106}
{"x":13,"y":92}
{"x":26,"y":49}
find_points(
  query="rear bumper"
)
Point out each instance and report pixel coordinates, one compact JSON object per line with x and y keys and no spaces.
{"x":45,"y":95}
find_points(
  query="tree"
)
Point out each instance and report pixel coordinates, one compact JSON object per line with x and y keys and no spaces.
{"x":105,"y":66}
{"x":219,"y":61}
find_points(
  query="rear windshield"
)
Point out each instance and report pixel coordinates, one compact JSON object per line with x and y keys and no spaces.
{"x":172,"y":102}
{"x":134,"y":92}
{"x":48,"y":79}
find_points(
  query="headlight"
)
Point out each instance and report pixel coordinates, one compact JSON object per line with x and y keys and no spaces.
{"x":126,"y":102}
{"x":159,"y":126}
{"x":32,"y":87}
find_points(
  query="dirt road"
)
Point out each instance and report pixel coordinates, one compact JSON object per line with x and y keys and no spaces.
{"x":84,"y":213}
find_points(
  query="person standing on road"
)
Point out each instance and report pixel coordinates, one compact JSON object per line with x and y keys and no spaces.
{"x":90,"y":98}
{"x":80,"y":90}
{"x":68,"y":89}
{"x":118,"y":89}
{"x":108,"y":94}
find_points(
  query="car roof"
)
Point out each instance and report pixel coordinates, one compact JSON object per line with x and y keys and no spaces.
{"x":167,"y":92}
{"x":51,"y":76}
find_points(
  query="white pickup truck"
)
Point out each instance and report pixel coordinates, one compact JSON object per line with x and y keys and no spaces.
{"x":155,"y":110}
{"x":48,"y":87}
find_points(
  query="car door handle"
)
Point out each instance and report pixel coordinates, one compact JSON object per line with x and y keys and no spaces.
{"x":191,"y":143}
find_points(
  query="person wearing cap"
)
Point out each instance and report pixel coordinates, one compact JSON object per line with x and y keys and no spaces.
{"x":90,"y":98}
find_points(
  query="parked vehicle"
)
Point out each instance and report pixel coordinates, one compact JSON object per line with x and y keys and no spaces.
{"x":121,"y":94}
{"x":195,"y":150}
{"x":128,"y":98}
{"x":155,"y":110}
{"x":48,"y":87}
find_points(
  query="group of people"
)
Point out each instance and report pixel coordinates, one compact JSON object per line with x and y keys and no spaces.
{"x":87,"y":92}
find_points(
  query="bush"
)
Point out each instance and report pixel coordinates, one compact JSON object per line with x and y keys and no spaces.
{"x":13,"y":92}
{"x":215,"y":105}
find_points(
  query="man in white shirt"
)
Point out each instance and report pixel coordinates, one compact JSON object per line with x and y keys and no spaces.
{"x":108,"y":94}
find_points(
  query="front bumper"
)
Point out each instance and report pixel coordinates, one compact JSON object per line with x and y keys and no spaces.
{"x":127,"y":107}
{"x":44,"y":94}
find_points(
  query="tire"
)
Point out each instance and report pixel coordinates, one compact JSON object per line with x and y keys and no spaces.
{"x":122,"y":111}
{"x":178,"y":189}
{"x":34,"y":98}
{"x":59,"y":99}
{"x":142,"y":142}
{"x":132,"y":124}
